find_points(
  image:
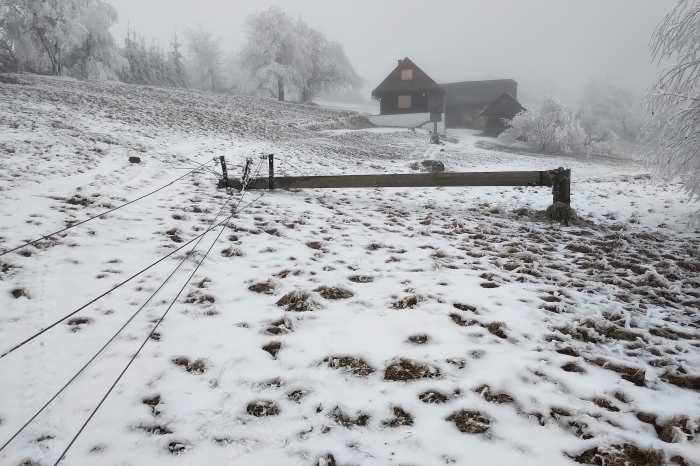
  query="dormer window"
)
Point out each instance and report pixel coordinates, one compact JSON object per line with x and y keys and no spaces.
{"x":406,"y":75}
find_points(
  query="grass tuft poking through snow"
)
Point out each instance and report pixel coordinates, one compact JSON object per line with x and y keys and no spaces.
{"x":299,"y":301}
{"x":354,"y":365}
{"x":262,"y":408}
{"x":470,"y":422}
{"x":405,"y":370}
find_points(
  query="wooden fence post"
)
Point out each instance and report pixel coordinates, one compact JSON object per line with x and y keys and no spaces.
{"x":561,"y":185}
{"x":271,"y":175}
{"x":224,"y":171}
{"x":565,"y":188}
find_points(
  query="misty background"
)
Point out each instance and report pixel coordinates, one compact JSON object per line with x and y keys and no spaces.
{"x":548,"y":46}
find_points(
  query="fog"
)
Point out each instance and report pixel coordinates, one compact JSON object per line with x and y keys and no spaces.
{"x":547,"y":46}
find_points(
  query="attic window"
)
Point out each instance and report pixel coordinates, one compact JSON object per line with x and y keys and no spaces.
{"x":406,"y":75}
{"x":404,"y":101}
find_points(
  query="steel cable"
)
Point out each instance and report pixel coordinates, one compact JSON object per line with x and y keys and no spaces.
{"x":133,"y":358}
{"x":96,"y":216}
{"x":211,"y":227}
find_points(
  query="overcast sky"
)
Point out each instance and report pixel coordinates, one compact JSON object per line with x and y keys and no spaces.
{"x":547,"y":46}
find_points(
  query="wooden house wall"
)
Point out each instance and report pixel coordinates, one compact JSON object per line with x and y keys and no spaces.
{"x":494,"y":126}
{"x":464,"y":116}
{"x":465,"y":100}
{"x":389,"y":104}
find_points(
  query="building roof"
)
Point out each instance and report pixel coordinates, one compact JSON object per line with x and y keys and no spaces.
{"x":478,"y":92}
{"x":393,"y":83}
{"x":505,"y":106}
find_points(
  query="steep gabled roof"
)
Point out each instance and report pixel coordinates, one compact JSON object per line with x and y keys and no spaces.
{"x":394,"y":83}
{"x":478,"y":92}
{"x":505,"y":106}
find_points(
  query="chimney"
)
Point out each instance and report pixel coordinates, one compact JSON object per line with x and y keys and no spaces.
{"x":400,"y":62}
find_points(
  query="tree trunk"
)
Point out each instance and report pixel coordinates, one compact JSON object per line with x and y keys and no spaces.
{"x":280,"y":90}
{"x":624,"y":130}
{"x":54,"y":67}
{"x":306,"y":95}
{"x":13,"y":58}
{"x":58,"y":60}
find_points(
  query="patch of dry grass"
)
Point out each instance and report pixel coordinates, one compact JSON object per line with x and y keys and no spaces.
{"x":273,"y":348}
{"x":419,"y":339}
{"x":620,"y":455}
{"x":401,"y":418}
{"x":280,"y":327}
{"x":20,"y":293}
{"x":470,"y":422}
{"x":405,"y":370}
{"x":343,"y":419}
{"x":334,"y":292}
{"x":197,"y":367}
{"x":433,"y":397}
{"x":298,"y":301}
{"x":354,"y":365}
{"x":409,"y":302}
{"x":263,"y":287}
{"x":262,"y":408}
{"x":497,"y":398}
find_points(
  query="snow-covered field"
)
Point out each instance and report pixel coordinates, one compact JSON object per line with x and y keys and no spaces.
{"x":349,"y":327}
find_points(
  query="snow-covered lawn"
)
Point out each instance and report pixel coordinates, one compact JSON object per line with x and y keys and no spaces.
{"x":349,"y":327}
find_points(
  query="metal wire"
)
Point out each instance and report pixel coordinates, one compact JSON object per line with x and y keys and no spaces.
{"x":96,"y":216}
{"x":211,"y":227}
{"x":133,"y":358}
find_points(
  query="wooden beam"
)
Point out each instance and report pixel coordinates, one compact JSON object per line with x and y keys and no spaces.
{"x":410,"y":180}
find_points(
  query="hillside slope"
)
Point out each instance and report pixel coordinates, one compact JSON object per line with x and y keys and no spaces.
{"x":372,"y":327}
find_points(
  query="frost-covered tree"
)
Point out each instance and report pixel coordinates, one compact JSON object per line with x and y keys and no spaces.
{"x":608,"y":108}
{"x":205,"y":60}
{"x":150,"y":65}
{"x":238,"y":79}
{"x":273,"y":53}
{"x":9,"y":36}
{"x":553,"y":125}
{"x":135,"y":53}
{"x":98,"y":57}
{"x":328,"y":69}
{"x":43,"y":35}
{"x":177,"y":63}
{"x":286,"y":55}
{"x":38,"y":29}
{"x":673,"y":102}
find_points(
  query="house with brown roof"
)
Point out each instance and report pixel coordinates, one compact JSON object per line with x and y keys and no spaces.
{"x":408,"y":97}
{"x":464,"y":101}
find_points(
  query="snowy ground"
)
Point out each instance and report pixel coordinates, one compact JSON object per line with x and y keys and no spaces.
{"x":424,"y":326}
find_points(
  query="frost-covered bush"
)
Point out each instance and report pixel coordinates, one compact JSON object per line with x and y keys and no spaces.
{"x":553,"y":126}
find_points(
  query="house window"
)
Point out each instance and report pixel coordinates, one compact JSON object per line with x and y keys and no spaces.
{"x":406,"y":75}
{"x":404,"y":101}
